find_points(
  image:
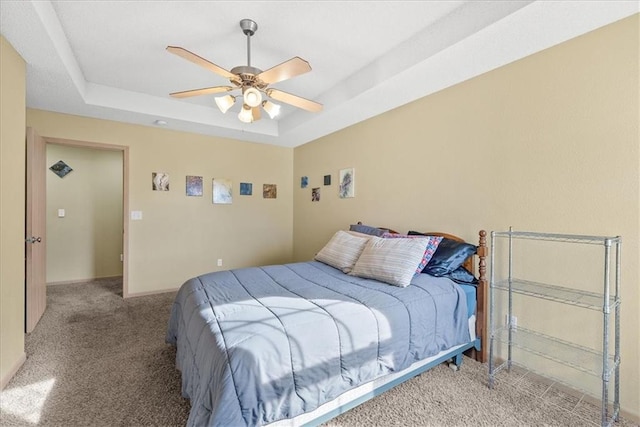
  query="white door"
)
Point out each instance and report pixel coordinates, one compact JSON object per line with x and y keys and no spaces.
{"x":35,"y":253}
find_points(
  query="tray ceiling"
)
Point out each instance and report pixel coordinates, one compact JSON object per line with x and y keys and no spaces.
{"x":107,"y":59}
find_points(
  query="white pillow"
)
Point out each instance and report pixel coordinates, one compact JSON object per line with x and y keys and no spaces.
{"x":342,"y":251}
{"x":392,"y":261}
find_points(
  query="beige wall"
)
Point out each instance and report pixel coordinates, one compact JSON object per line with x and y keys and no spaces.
{"x":87,"y":242}
{"x":180,"y":237}
{"x":548,"y":143}
{"x":12,"y":201}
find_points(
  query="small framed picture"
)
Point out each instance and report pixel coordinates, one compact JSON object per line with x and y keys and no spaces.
{"x":269,"y":191}
{"x":159,"y":181}
{"x":222,"y":191}
{"x":194,"y":186}
{"x":61,"y":169}
{"x":246,"y":189}
{"x":347,"y":183}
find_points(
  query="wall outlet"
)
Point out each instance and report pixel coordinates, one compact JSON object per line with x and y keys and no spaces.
{"x":219,"y":262}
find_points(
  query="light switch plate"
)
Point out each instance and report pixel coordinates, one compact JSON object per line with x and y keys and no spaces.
{"x":61,"y":213}
{"x":136,"y":215}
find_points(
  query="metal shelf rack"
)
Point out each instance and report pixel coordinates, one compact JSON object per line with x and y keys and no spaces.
{"x":599,"y":363}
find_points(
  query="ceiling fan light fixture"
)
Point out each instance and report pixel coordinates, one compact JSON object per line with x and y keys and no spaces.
{"x":225,"y":102}
{"x":245,"y":115}
{"x":272,"y":109}
{"x":252,"y":97}
{"x":252,"y":81}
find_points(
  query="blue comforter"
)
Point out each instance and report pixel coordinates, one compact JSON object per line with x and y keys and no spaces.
{"x":256,"y":345}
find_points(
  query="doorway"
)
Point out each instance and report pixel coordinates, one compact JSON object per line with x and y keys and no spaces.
{"x":83,"y":214}
{"x":39,"y":185}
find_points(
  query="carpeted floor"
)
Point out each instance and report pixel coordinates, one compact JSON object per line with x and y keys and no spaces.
{"x":98,"y":360}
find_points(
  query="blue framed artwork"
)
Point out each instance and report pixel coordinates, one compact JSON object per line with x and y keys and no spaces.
{"x":246,"y":189}
{"x":304,"y":181}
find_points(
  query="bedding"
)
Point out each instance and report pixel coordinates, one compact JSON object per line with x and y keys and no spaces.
{"x":393,"y":261}
{"x":367,"y":229}
{"x":449,"y":256}
{"x":342,"y":251}
{"x":257,"y":345}
{"x":461,"y":275}
{"x":470,"y":292}
{"x":432,"y":245}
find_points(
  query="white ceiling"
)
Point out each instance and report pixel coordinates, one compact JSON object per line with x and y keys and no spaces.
{"x":107,"y":59}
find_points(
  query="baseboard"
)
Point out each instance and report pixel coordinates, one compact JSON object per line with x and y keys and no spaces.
{"x":72,"y":282}
{"x":145,"y":294}
{"x":5,"y":380}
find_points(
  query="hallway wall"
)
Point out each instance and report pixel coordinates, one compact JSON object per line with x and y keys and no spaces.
{"x":87,"y":242}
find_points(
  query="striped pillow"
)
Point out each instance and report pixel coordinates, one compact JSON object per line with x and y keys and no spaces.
{"x":434,"y":241}
{"x":391,"y":261}
{"x":342,"y":251}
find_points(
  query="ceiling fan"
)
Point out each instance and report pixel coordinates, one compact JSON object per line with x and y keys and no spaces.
{"x":252,"y":81}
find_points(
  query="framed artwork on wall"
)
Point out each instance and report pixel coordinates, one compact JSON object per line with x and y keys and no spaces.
{"x":222,"y":191}
{"x":61,"y":169}
{"x":269,"y":191}
{"x":194,"y":186}
{"x":315,"y":194}
{"x":160,"y":181}
{"x":327,"y":180}
{"x":246,"y":188}
{"x":347,"y":186}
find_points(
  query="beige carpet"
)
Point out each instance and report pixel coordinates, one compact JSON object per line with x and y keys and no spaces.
{"x":98,"y":360}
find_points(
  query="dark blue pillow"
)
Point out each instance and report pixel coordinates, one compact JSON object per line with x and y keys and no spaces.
{"x":449,"y":256}
{"x":366,"y":229}
{"x":462,"y":275}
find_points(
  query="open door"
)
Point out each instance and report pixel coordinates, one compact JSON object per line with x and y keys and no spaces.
{"x":35,"y":252}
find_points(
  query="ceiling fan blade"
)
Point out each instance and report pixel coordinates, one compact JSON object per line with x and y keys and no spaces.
{"x":203,"y":91}
{"x":286,"y":70}
{"x":255,"y":113}
{"x":294,"y":100}
{"x":198,"y":60}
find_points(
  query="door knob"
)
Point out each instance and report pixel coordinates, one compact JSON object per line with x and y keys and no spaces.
{"x":33,"y":239}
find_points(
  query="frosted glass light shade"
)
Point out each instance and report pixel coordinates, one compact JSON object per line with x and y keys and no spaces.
{"x":252,"y":97}
{"x":272,"y":109}
{"x":245,"y":114}
{"x":225,"y":102}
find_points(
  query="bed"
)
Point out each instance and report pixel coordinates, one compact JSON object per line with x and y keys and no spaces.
{"x":300,"y":343}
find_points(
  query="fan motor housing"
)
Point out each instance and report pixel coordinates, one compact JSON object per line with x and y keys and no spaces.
{"x":246,"y":76}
